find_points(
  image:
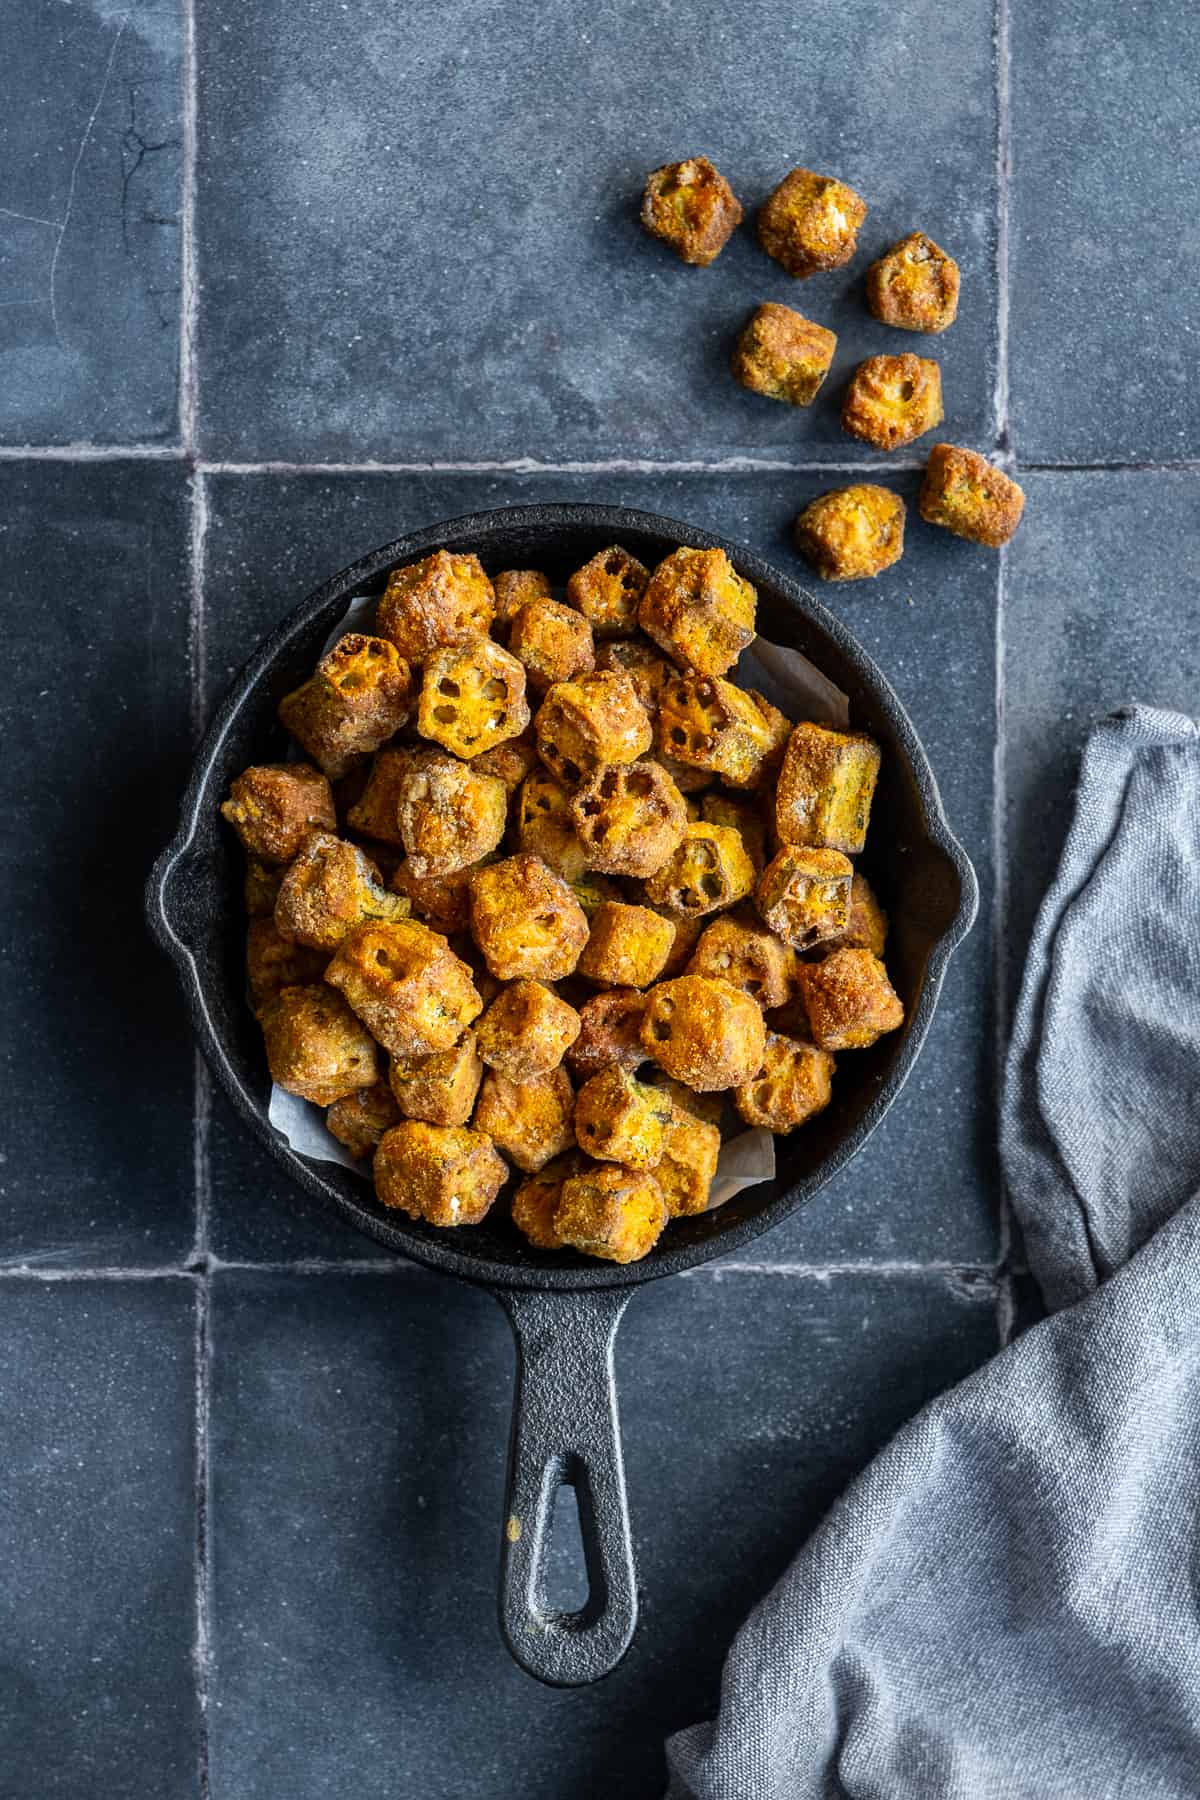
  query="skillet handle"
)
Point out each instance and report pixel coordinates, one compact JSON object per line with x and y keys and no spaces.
{"x":565,"y":1430}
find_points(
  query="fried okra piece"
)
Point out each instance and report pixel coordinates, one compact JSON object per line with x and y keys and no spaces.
{"x":692,"y":207}
{"x":274,"y":806}
{"x":966,"y":494}
{"x":620,"y":1119}
{"x":810,"y":223}
{"x":607,"y":591}
{"x":450,"y":815}
{"x":699,"y":610}
{"x":406,"y":985}
{"x":742,"y":816}
{"x":825,"y":788}
{"x":359,"y":1120}
{"x":443,"y":901}
{"x":708,"y":722}
{"x":515,"y":588}
{"x":442,"y":1088}
{"x":687,"y":928}
{"x":596,"y":719}
{"x":526,"y":920}
{"x":526,"y":1031}
{"x":867,"y":925}
{"x":316,"y":1048}
{"x":782,"y":355}
{"x":914,"y":285}
{"x":592,"y":891}
{"x":610,"y":1031}
{"x":893,"y":400}
{"x":359,"y":696}
{"x":444,"y":599}
{"x":376,"y":812}
{"x":510,"y":762}
{"x":274,"y":962}
{"x":472,"y":698}
{"x":688,"y":780}
{"x":709,"y":872}
{"x":794,"y":1083}
{"x":445,"y":1174}
{"x":611,"y":1212}
{"x":645,"y":667}
{"x":849,"y":1000}
{"x":804,"y":894}
{"x":530,"y":1121}
{"x":329,"y":889}
{"x":545,"y":825}
{"x":536,"y":1201}
{"x":689,"y":1162}
{"x":260,"y":889}
{"x":628,"y":946}
{"x":629,"y":820}
{"x":553,"y":641}
{"x":852,"y":533}
{"x":740,"y":950}
{"x":706,"y":1107}
{"x":704,"y":1032}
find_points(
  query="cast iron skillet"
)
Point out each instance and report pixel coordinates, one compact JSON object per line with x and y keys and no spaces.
{"x":564,"y":1309}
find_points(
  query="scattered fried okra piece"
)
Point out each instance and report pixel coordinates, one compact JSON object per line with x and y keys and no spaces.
{"x":852,"y":533}
{"x":692,"y":207}
{"x":450,"y":814}
{"x":804,"y":894}
{"x":439,"y":1088}
{"x":644,"y":666}
{"x":553,"y":641}
{"x":536,"y":1201}
{"x":893,"y":400}
{"x":594,"y":719}
{"x":359,"y":697}
{"x":689,"y":1161}
{"x":359,"y":1120}
{"x":376,"y":811}
{"x":966,"y":494}
{"x":914,"y":285}
{"x":316,"y":1048}
{"x":782,"y":355}
{"x":611,"y":1212}
{"x":704,"y":1032}
{"x":607,"y":590}
{"x":545,"y":825}
{"x":527,"y":1030}
{"x":740,"y":950}
{"x":406,"y":985}
{"x":472,"y":698}
{"x":793,"y":1084}
{"x":708,"y":722}
{"x":444,"y":599}
{"x":709,"y":871}
{"x":444,"y":1174}
{"x":610,"y":1027}
{"x":867,"y":925}
{"x":329,"y":889}
{"x":810,"y":223}
{"x":443,"y":901}
{"x":274,"y":962}
{"x":529,"y":1121}
{"x":515,"y":588}
{"x":526,"y":920}
{"x":620,"y":1119}
{"x":825,"y":788}
{"x":628,"y":945}
{"x":743,"y":816}
{"x":699,"y":610}
{"x":630,"y":820}
{"x":274,"y":806}
{"x":849,"y":1000}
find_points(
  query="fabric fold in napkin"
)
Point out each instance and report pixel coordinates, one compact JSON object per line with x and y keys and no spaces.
{"x":1006,"y":1604}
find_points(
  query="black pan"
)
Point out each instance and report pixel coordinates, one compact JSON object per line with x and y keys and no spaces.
{"x":564,"y":1309}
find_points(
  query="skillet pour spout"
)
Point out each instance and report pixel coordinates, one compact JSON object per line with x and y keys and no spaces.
{"x":565,"y":1309}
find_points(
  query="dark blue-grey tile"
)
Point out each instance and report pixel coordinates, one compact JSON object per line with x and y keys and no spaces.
{"x":98,"y":1522}
{"x":90,"y":148}
{"x":425,"y":245}
{"x":1102,"y":598}
{"x":924,"y":1189}
{"x":97,"y":1145}
{"x":358,"y":1437}
{"x":1105,"y":254}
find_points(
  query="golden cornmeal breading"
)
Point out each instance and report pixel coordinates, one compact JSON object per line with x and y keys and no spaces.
{"x":742,"y":816}
{"x":699,"y":610}
{"x":526,"y":1031}
{"x":810,"y":223}
{"x":444,"y":1174}
{"x":329,"y":889}
{"x":914,"y":285}
{"x":738,"y":949}
{"x":406,"y":985}
{"x":593,"y":890}
{"x":526,"y":920}
{"x":376,"y":811}
{"x":803,"y":894}
{"x":443,"y":901}
{"x":629,"y":820}
{"x":515,"y":588}
{"x":614,"y":1213}
{"x":849,"y":1000}
{"x":793,"y":1084}
{"x":708,"y":722}
{"x":530,"y":1121}
{"x":628,"y":946}
{"x":316,"y":1048}
{"x":644,"y":666}
{"x":553,"y":641}
{"x":610,"y":1031}
{"x":709,"y":871}
{"x":692,"y":207}
{"x":593,"y":720}
{"x":450,"y":814}
{"x":274,"y":806}
{"x":261,"y":887}
{"x":966,"y":494}
{"x":893,"y":400}
{"x":441,"y":1088}
{"x":545,"y":825}
{"x":443,"y":599}
{"x":274,"y":962}
{"x":620,"y":1119}
{"x":510,"y":762}
{"x":359,"y":1120}
{"x":359,"y":697}
{"x":607,"y":590}
{"x":825,"y":788}
{"x":704,"y":1032}
{"x":689,"y":1162}
{"x":782,"y":355}
{"x":708,"y":1107}
{"x":867,"y":924}
{"x":687,"y":928}
{"x":472,"y":698}
{"x":852,"y":533}
{"x":536,"y":1201}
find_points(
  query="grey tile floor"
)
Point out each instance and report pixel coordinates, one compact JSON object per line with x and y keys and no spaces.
{"x":277,"y":283}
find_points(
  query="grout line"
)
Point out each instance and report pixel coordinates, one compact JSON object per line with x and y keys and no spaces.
{"x":197,"y":622}
{"x":202,"y":1647}
{"x":24,"y":1271}
{"x":530,"y":465}
{"x":89,"y":453}
{"x":1003,"y":178}
{"x":1186,"y":465}
{"x":975,"y":1275}
{"x":204,"y":1264}
{"x":189,"y":289}
{"x":202,"y":1097}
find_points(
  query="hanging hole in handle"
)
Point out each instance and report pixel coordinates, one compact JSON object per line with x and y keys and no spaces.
{"x":564,"y":1581}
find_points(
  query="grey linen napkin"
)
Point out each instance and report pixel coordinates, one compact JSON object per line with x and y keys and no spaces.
{"x":1006,"y":1604}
